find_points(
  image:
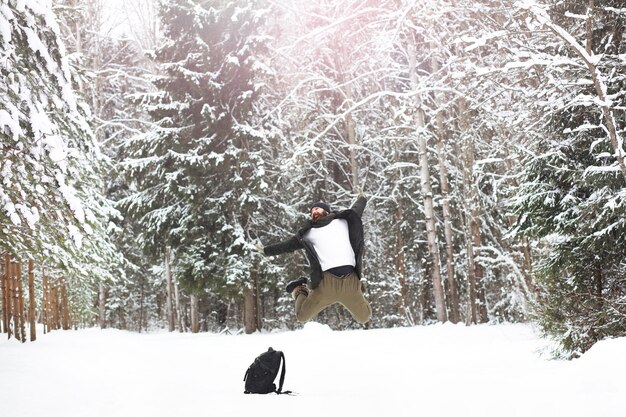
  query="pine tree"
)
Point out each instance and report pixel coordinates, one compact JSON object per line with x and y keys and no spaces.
{"x":572,"y":194}
{"x":51,"y":187}
{"x":199,"y":173}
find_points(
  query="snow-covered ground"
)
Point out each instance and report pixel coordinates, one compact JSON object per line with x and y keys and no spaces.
{"x":439,"y":370}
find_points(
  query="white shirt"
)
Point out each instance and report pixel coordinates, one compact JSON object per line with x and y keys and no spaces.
{"x":332,"y":244}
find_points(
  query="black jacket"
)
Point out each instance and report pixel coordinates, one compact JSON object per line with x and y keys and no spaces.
{"x":355,"y":230}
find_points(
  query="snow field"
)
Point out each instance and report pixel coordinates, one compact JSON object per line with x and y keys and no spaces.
{"x":439,"y":370}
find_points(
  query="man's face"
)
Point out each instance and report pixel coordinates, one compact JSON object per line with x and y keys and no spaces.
{"x":317,"y":213}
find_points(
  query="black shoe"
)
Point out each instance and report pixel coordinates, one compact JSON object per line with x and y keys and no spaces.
{"x":293,"y":284}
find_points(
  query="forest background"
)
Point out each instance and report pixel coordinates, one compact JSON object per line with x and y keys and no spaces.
{"x":147,"y":150}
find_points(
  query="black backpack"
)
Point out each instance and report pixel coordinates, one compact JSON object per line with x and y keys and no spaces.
{"x":261,"y":374}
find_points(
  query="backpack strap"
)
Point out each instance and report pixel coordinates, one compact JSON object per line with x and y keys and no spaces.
{"x":282,"y":376}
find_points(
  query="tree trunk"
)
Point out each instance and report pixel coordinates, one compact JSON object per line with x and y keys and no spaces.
{"x":11,"y":311}
{"x":476,"y":236}
{"x":455,"y":311}
{"x":479,"y":270}
{"x":122,"y":318}
{"x":427,"y":194}
{"x":10,"y":299}
{"x":2,"y":299}
{"x":399,"y":262}
{"x":478,"y":311}
{"x":46,"y":304}
{"x":102,"y":305}
{"x":351,"y":133}
{"x":431,"y":227}
{"x":598,"y":286}
{"x":257,"y":299}
{"x":179,"y":312}
{"x":249,"y":313}
{"x":18,"y":306}
{"x":65,"y":309}
{"x":31,"y":301}
{"x":141,"y":306}
{"x":56,"y":321}
{"x":472,"y":317}
{"x":350,"y":130}
{"x":195,"y":322}
{"x":528,"y":265}
{"x":22,"y":311}
{"x":168,"y":285}
{"x":589,"y":27}
{"x":455,"y":314}
{"x":5,"y":292}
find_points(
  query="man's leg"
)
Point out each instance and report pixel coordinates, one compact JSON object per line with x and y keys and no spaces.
{"x":309,"y":306}
{"x":353,"y":299}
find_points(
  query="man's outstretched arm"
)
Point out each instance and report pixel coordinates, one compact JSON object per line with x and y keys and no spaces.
{"x":285,"y":246}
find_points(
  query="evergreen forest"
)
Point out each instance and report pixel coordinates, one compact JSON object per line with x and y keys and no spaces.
{"x":147,"y":148}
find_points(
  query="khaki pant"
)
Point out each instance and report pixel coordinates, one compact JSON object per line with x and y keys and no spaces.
{"x":332,"y":289}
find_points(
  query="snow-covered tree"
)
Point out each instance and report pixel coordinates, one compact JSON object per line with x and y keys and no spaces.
{"x":350,"y":73}
{"x":111,"y":68}
{"x":199,"y":175}
{"x":53,"y":209}
{"x":572,"y":191}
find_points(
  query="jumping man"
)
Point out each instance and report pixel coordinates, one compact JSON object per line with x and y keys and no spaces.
{"x":333,"y":242}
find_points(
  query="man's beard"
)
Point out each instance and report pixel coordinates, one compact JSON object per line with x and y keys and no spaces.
{"x":317,"y":216}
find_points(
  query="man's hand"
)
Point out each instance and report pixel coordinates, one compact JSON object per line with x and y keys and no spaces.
{"x":361,"y":201}
{"x":260,"y":248}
